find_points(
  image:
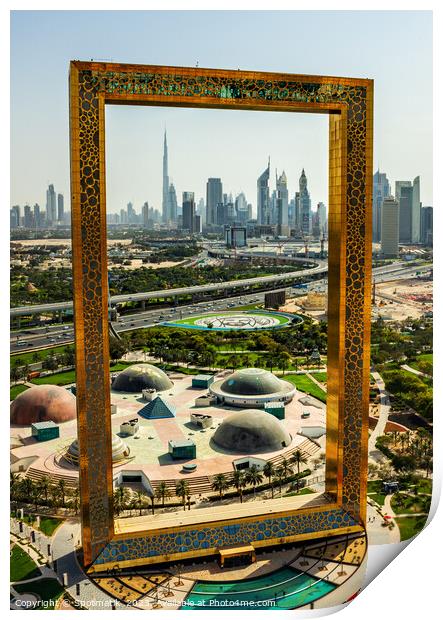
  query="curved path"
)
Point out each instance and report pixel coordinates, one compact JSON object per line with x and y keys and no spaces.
{"x":385,"y":407}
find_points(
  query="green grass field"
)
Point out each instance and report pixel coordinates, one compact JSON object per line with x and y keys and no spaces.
{"x":31,"y":358}
{"x":21,"y":565}
{"x":305,"y":384}
{"x":410,"y":526}
{"x":65,"y":378}
{"x":48,"y":525}
{"x":48,"y":590}
{"x":193,"y":320}
{"x":375,"y":492}
{"x":321,"y":376}
{"x":15,"y":390}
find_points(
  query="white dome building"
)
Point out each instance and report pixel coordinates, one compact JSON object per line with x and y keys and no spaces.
{"x":252,"y":388}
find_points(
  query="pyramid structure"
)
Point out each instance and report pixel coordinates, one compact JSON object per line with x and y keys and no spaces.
{"x":157,"y":409}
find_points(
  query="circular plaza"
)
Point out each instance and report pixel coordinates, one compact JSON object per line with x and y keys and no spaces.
{"x":234,"y":320}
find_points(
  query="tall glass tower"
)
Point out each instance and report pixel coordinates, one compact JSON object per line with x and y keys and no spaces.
{"x":165,"y":202}
{"x":305,"y":205}
{"x":263,"y":203}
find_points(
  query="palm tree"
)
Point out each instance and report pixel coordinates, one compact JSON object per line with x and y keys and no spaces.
{"x":239,"y":482}
{"x":75,"y":497}
{"x":139,"y":500}
{"x":286,"y":468}
{"x":298,"y":458}
{"x":253,"y":476}
{"x":220,"y":484}
{"x":182,"y":490}
{"x":121,"y":498}
{"x":14,"y":484}
{"x":44,"y":484}
{"x":279,"y":476}
{"x":61,"y":488}
{"x":26,"y":488}
{"x":269,"y":472}
{"x":162,"y":492}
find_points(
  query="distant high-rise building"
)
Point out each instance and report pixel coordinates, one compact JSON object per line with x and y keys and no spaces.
{"x":426,"y":226}
{"x":131,"y":216}
{"x":28,"y":219}
{"x":51,"y":206}
{"x":305,"y":205}
{"x":37,"y":216}
{"x":165,"y":200}
{"x":123,"y":216}
{"x":188,"y":209}
{"x":403,"y":195}
{"x":263,"y":202}
{"x":15,"y":216}
{"x":60,"y":208}
{"x":381,"y":190}
{"x":390,"y":226}
{"x":416,"y":207}
{"x":145,"y":215}
{"x":214,"y":196}
{"x":322,"y":218}
{"x":241,"y":209}
{"x":172,"y":204}
{"x":201,"y":211}
{"x":282,"y":205}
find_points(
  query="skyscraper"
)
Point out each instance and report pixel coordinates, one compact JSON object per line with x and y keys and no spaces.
{"x":263,"y":203}
{"x":165,"y":200}
{"x":145,"y":215}
{"x":60,"y":208}
{"x":416,"y":207}
{"x":403,"y":195}
{"x":322,"y":218}
{"x":37,"y":216}
{"x":172,"y":204}
{"x":131,"y":215}
{"x":282,"y":205}
{"x":426,"y":226}
{"x":381,"y":190}
{"x":214,"y":196}
{"x":390,"y":218}
{"x":188,"y":206}
{"x":241,"y":208}
{"x":305,"y":205}
{"x":28,"y":219}
{"x":51,"y":206}
{"x":14,"y":216}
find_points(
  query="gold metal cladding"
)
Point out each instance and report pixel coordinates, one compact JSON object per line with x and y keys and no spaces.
{"x":349,"y":102}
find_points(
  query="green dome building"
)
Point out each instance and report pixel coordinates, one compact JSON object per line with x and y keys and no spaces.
{"x":142,"y":377}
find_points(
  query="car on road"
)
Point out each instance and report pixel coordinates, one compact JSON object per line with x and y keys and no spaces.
{"x":21,"y":343}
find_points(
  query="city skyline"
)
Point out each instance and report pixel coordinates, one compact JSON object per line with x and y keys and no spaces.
{"x":40,"y":134}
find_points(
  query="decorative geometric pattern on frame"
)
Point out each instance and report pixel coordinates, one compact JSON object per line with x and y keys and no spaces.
{"x":188,"y":540}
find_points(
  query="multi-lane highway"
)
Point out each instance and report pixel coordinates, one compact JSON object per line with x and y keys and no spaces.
{"x":231,"y":285}
{"x":51,"y":336}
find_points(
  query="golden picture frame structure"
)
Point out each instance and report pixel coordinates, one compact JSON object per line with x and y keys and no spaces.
{"x":349,"y":104}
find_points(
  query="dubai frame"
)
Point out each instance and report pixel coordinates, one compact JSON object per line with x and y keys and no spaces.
{"x":349,"y":104}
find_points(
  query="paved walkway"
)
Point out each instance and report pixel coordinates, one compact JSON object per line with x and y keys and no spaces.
{"x":414,"y":371}
{"x":385,"y":407}
{"x":90,"y":596}
{"x":320,"y":385}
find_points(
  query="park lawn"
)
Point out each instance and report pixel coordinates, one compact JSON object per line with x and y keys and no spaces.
{"x":424,"y":357}
{"x":49,"y":590}
{"x":305,"y":384}
{"x":68,"y":376}
{"x":58,"y":378}
{"x":320,"y":376}
{"x":410,"y":504}
{"x":410,"y":526}
{"x":22,"y":566}
{"x":424,"y":485}
{"x":15,"y":390}
{"x":48,"y":525}
{"x":28,"y":358}
{"x":374,"y":492}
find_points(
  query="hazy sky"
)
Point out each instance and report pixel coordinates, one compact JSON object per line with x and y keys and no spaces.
{"x":393,"y":47}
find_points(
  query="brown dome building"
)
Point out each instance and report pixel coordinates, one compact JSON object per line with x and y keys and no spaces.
{"x":43,"y":403}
